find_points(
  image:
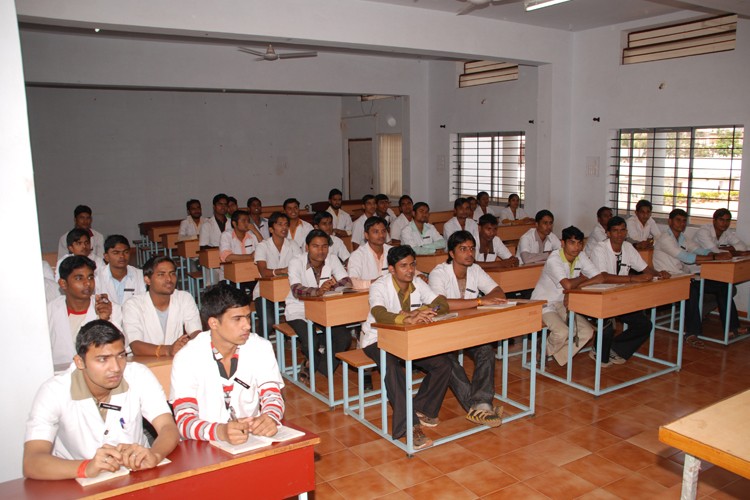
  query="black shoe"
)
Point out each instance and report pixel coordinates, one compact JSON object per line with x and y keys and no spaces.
{"x":368,"y":382}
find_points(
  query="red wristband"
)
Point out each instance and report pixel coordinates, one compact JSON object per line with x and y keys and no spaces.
{"x":82,"y":469}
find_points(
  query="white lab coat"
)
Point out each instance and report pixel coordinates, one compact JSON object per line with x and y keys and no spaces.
{"x":443,"y":281}
{"x":141,"y":322}
{"x":300,"y":273}
{"x":134,"y":284}
{"x":341,"y":221}
{"x":188,"y":230}
{"x":210,"y":234}
{"x":97,"y":244}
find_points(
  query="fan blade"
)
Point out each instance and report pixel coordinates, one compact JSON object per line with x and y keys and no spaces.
{"x":292,"y":55}
{"x":470,"y":8}
{"x":251,"y":51}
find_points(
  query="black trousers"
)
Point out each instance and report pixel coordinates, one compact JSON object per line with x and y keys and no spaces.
{"x":629,"y":341}
{"x":431,"y":392}
{"x":693,"y":319}
{"x":341,"y":339}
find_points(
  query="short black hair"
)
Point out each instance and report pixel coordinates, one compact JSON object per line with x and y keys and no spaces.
{"x":231,"y":199}
{"x":319,"y":216}
{"x":572,"y":233}
{"x":275,"y":217}
{"x":367,"y":198}
{"x":721,"y":213}
{"x":381,"y":197}
{"x":97,"y":333}
{"x":252,"y":199}
{"x":471,"y":198}
{"x":289,"y":201}
{"x":318,"y":233}
{"x":403,"y":198}
{"x":82,"y":209}
{"x":483,"y":193}
{"x":615,"y":221}
{"x":459,"y":202}
{"x":677,"y":211}
{"x":513,"y":195}
{"x":421,"y":204}
{"x":113,"y":240}
{"x":216,"y":299}
{"x":542,"y":214}
{"x":488,"y":219}
{"x":456,"y":239}
{"x":399,"y":253}
{"x":70,"y":264}
{"x":374,"y":220}
{"x":219,"y":197}
{"x":601,"y":211}
{"x":239,"y":213}
{"x":333,"y":192}
{"x":644,"y":203}
{"x":75,"y":235}
{"x":150,"y":265}
{"x":190,"y":202}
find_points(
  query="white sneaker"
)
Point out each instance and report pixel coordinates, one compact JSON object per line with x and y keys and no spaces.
{"x":592,"y":355}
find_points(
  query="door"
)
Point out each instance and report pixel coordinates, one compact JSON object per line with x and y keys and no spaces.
{"x":361,"y":179}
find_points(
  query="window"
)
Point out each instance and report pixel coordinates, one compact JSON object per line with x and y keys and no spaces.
{"x":483,"y":72}
{"x":389,"y":149}
{"x":492,"y":161}
{"x":696,"y":169}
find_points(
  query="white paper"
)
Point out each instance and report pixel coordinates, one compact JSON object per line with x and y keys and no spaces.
{"x":254,"y":442}
{"x":106,"y":475}
{"x":601,"y":286}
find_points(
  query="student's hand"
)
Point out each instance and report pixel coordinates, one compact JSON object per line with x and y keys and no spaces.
{"x":424,"y":278}
{"x":723,"y":256}
{"x":512,"y":262}
{"x":640,"y":278}
{"x":493,"y":301}
{"x":178,"y":344}
{"x":642,"y":245}
{"x":136,"y":457}
{"x":419,"y":316}
{"x":663,"y":275}
{"x":235,"y":432}
{"x":107,"y":458}
{"x":262,"y":425}
{"x":340,"y":233}
{"x":103,"y":306}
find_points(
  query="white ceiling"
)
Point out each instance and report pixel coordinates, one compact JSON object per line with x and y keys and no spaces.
{"x":578,"y":15}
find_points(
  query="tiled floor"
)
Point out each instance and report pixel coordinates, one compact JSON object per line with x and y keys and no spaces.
{"x":576,"y":446}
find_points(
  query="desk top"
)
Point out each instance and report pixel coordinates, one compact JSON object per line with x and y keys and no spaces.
{"x":514,"y":279}
{"x":336,"y":310}
{"x":736,"y":270}
{"x":143,"y":227}
{"x":719,"y":434}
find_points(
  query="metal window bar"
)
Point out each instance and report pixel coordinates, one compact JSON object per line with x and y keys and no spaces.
{"x":491,"y":161}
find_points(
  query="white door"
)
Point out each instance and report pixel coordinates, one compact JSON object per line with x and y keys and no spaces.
{"x":361,"y":179}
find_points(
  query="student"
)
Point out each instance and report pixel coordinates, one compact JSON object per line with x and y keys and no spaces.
{"x":406,"y":207}
{"x":79,"y":243}
{"x":642,"y":229}
{"x":677,"y":255}
{"x":491,"y":251}
{"x":162,"y":321}
{"x":513,"y":213}
{"x":312,"y":274}
{"x":82,"y":219}
{"x":566,"y":269}
{"x":420,"y":234}
{"x":717,"y":237}
{"x":78,"y":306}
{"x":238,"y":243}
{"x":369,"y":261}
{"x":461,"y":281}
{"x":461,"y":220}
{"x":190,"y":228}
{"x":369,"y":206}
{"x":88,"y":419}
{"x":272,"y":258}
{"x":226,"y":384}
{"x":383,"y":208}
{"x":473,"y":206}
{"x":615,"y":258}
{"x":258,"y":223}
{"x":324,"y":222}
{"x":342,"y":221}
{"x":210,"y":232}
{"x":538,"y":243}
{"x":483,"y":206}
{"x":599,"y":233}
{"x":397,"y":298}
{"x":298,"y":229}
{"x":117,"y":279}
{"x":231,"y":207}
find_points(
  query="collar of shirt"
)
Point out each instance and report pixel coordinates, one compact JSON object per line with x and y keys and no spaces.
{"x":79,"y":391}
{"x":539,"y":240}
{"x":316,"y":272}
{"x":404,"y":296}
{"x":572,"y":265}
{"x":378,"y":260}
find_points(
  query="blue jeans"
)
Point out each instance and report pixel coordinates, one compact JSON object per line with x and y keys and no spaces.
{"x":480,"y":392}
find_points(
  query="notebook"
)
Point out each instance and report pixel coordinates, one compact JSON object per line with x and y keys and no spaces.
{"x":496,"y":306}
{"x":106,"y":475}
{"x":254,"y":442}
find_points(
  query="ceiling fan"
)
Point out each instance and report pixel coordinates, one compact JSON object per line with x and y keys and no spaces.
{"x":271,"y":55}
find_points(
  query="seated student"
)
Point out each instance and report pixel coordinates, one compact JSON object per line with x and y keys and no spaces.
{"x":272,"y":258}
{"x":82,"y":219}
{"x":369,"y":261}
{"x":398,"y":298}
{"x":676,"y":254}
{"x":642,"y":228}
{"x":162,"y":321}
{"x":370,"y":206}
{"x":461,"y":281}
{"x":491,"y":251}
{"x":406,"y":206}
{"x":473,"y":207}
{"x":190,"y":228}
{"x":566,"y":269}
{"x":117,"y":279}
{"x":239,"y":243}
{"x":298,"y":229}
{"x":342,"y":221}
{"x":79,"y":243}
{"x":483,"y":206}
{"x":312,"y":274}
{"x":231,"y":207}
{"x":79,"y":305}
{"x":211,"y":229}
{"x":420,"y":234}
{"x":513,"y":213}
{"x":717,"y":236}
{"x":324,"y":222}
{"x":538,"y":243}
{"x":461,"y":220}
{"x":89,"y":419}
{"x":226,"y":384}
{"x":615,"y":258}
{"x":383,"y":208}
{"x":258,"y":223}
{"x":599,"y":233}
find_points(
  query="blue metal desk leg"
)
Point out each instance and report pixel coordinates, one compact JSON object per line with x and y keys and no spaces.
{"x":409,"y":410}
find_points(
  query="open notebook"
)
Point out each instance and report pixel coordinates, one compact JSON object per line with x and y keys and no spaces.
{"x":253,"y":442}
{"x":106,"y":475}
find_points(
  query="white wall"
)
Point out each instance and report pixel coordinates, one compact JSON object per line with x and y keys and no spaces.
{"x":25,"y":358}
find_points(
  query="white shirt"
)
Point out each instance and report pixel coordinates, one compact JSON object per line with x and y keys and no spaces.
{"x":605,"y":258}
{"x":195,"y":375}
{"x":97,"y":260}
{"x":668,"y":250}
{"x":383,"y":293}
{"x":598,"y":234}
{"x":188,"y":230}
{"x":443,"y":281}
{"x":490,"y":210}
{"x":638,"y":232}
{"x":499,"y":251}
{"x":358,"y":230}
{"x":338,"y":248}
{"x":61,"y":338}
{"x":705,"y":237}
{"x":303,"y":229}
{"x":364,"y":266}
{"x":97,"y":244}
{"x":210,"y":233}
{"x":300,"y":273}
{"x":268,"y":253}
{"x":341,"y":221}
{"x":410,"y":235}
{"x":132,"y":284}
{"x":262,"y":228}
{"x":398,"y":225}
{"x":140,"y":321}
{"x":507,"y":213}
{"x":230,"y":244}
{"x":51,"y":287}
{"x":529,"y":243}
{"x":556,"y":269}
{"x":453,"y":225}
{"x":75,"y":427}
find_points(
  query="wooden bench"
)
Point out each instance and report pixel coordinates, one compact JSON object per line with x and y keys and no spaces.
{"x":361,"y":361}
{"x":286,"y":330}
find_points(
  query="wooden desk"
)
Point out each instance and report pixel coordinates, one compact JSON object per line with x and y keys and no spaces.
{"x":144,"y":227}
{"x":426,"y":263}
{"x":188,"y":249}
{"x":169,"y":243}
{"x":730,"y":272}
{"x":514,"y":279}
{"x":274,"y":289}
{"x":198,"y":470}
{"x":161,"y":367}
{"x":156,"y":232}
{"x":347,"y":242}
{"x":241,"y":271}
{"x":647,"y":255}
{"x":718,"y":434}
{"x":513,"y":231}
{"x":438,"y":219}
